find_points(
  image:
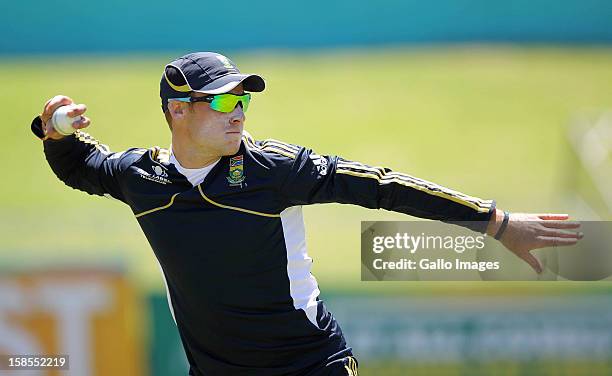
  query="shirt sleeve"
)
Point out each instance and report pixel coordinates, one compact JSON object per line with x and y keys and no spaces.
{"x":310,"y":178}
{"x":83,"y":163}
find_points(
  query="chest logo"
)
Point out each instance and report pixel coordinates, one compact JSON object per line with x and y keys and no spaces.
{"x":160,"y":171}
{"x":159,"y":175}
{"x":236,"y":171}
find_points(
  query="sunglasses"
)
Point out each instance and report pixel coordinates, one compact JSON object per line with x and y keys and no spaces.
{"x":220,"y":102}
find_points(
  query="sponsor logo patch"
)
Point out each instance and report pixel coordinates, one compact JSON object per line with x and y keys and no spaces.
{"x":320,"y":162}
{"x":159,"y":176}
{"x":159,"y":171}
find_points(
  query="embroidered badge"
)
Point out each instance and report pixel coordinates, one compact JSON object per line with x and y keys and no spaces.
{"x":236,"y":171}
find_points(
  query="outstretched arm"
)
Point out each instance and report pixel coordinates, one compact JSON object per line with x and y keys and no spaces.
{"x":312,"y":178}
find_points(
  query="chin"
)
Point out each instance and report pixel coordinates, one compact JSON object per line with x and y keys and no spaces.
{"x":233,"y":149}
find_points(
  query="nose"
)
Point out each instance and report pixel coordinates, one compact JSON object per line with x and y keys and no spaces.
{"x":237,"y":116}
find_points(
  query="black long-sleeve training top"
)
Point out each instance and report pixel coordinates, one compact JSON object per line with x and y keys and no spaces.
{"x":232,"y":249}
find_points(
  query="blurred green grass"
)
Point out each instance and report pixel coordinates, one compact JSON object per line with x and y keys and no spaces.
{"x":487,"y":121}
{"x":528,"y":368}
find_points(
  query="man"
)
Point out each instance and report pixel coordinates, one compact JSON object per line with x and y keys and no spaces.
{"x":222,"y":213}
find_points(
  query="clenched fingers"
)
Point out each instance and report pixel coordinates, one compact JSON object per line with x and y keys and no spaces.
{"x":53,"y":104}
{"x":77,"y":110}
{"x":81,"y":123}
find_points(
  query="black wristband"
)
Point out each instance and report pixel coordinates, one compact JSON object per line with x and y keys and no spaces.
{"x":37,"y":127}
{"x":503,"y":226}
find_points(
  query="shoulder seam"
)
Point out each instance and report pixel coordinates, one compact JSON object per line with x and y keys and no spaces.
{"x":272,"y":146}
{"x":159,"y":155}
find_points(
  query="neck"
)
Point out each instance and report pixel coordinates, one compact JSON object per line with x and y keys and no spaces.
{"x":190,"y":157}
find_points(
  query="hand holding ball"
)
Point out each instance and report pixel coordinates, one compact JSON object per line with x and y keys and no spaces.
{"x":61,"y":117}
{"x":62,"y":122}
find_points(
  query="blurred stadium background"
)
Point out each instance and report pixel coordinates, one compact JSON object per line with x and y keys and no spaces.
{"x":503,"y":100}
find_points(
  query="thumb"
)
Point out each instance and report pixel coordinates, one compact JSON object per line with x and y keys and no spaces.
{"x":532,"y":261}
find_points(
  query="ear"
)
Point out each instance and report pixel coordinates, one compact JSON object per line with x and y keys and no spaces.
{"x":177,"y":109}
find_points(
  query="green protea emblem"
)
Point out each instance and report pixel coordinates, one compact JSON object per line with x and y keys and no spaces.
{"x":236,"y":170}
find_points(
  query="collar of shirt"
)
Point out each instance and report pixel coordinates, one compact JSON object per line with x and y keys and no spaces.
{"x":194,"y":175}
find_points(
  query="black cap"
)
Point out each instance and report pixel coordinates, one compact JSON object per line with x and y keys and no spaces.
{"x":204,"y":72}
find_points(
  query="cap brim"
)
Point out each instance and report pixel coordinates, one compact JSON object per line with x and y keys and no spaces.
{"x":251,"y":82}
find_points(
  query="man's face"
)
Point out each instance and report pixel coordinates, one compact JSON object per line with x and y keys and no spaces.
{"x":213,"y":132}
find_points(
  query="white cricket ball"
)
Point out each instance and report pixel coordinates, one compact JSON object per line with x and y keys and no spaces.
{"x":62,"y":122}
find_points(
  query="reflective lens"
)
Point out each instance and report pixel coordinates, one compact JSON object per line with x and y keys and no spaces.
{"x":227,"y":102}
{"x":220,"y":102}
